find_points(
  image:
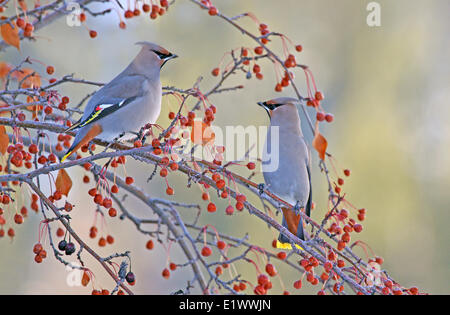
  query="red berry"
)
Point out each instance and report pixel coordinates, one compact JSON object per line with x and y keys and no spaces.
{"x":37,"y":248}
{"x":206,"y":251}
{"x":221,"y":245}
{"x":18,"y":218}
{"x":259,"y":50}
{"x":298,"y":284}
{"x":149,"y":245}
{"x":270,"y":269}
{"x":215,"y":72}
{"x":212,"y":207}
{"x":50,"y":70}
{"x":358,"y":228}
{"x":166,"y":273}
{"x":329,"y":117}
{"x":320,"y":116}
{"x":137,"y":143}
{"x":319,"y":96}
{"x":212,"y":11}
{"x":414,"y":291}
{"x":112,"y":212}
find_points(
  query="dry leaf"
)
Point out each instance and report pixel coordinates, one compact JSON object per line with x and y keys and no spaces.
{"x":33,"y":79}
{"x":63,"y":182}
{"x":320,"y":144}
{"x":4,"y":69}
{"x":4,"y":140}
{"x":201,"y":133}
{"x":10,"y":34}
{"x":85,"y":279}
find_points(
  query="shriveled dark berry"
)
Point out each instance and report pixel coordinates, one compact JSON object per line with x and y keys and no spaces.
{"x":130,"y":277}
{"x":70,"y":248}
{"x":62,"y":245}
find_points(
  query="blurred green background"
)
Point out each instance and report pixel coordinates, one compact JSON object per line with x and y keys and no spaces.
{"x":387,"y":86}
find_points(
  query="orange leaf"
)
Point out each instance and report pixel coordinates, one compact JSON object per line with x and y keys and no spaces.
{"x":63,"y":182}
{"x":320,"y":144}
{"x":4,"y":140}
{"x":202,"y":133}
{"x":10,"y":34}
{"x":4,"y":69}
{"x":33,"y":80}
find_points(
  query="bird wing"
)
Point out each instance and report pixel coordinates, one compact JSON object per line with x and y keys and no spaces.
{"x":113,"y":96}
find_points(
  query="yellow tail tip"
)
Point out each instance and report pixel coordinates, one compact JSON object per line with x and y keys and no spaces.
{"x":66,"y":156}
{"x":286,"y":245}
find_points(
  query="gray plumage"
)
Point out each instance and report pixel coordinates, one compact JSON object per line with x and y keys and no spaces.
{"x":291,"y":181}
{"x":127,"y":103}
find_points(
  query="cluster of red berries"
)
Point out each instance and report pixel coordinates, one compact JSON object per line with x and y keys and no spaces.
{"x":309,"y":264}
{"x":99,"y":200}
{"x":350,"y":226}
{"x":241,"y":286}
{"x":285,"y":81}
{"x":264,"y":285}
{"x":63,"y":104}
{"x":63,"y":142}
{"x":25,"y":26}
{"x":290,"y":62}
{"x":102,"y":241}
{"x":19,"y":157}
{"x":154,"y":9}
{"x":315,"y":102}
{"x":40,"y":253}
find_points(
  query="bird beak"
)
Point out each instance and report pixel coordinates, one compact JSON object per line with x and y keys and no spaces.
{"x":261,"y":104}
{"x":172,"y":56}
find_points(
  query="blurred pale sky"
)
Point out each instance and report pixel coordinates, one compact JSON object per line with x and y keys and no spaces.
{"x":387,"y":86}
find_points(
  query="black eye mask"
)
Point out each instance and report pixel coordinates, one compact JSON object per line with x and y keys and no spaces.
{"x":161,"y":55}
{"x":271,"y":106}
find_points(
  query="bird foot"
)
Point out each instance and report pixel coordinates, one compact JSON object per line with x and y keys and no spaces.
{"x":297,"y":208}
{"x":261,"y":188}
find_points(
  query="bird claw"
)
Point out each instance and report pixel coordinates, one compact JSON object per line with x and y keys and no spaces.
{"x":261,"y":188}
{"x":297,"y":208}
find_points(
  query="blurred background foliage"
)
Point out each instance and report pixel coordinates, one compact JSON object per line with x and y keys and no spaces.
{"x":388,"y":87}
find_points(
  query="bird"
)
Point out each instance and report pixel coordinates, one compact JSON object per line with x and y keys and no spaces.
{"x":127,"y":103}
{"x":290,"y":178}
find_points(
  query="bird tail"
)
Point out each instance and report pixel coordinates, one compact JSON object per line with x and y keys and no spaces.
{"x":294,"y":224}
{"x":83,"y":137}
{"x":68,"y":153}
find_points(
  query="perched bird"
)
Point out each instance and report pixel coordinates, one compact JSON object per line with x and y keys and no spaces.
{"x":291,"y":178}
{"x":127,"y":103}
